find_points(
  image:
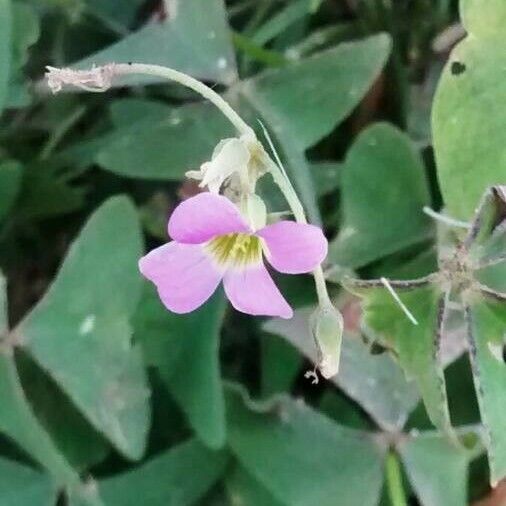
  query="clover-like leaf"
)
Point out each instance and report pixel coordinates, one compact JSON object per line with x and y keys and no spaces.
{"x":303,"y":102}
{"x":465,"y":274}
{"x":375,"y":382}
{"x":486,"y":319}
{"x":485,"y":310}
{"x":416,"y":345}
{"x":285,"y":444}
{"x":209,"y":56}
{"x":19,"y":423}
{"x":80,"y":331}
{"x":161,"y":145}
{"x":436,"y":468}
{"x":178,"y":477}
{"x":184,"y":349}
{"x":243,"y":489}
{"x":467,"y":124}
{"x":17,"y":419}
{"x":22,"y":486}
{"x":384,"y":190}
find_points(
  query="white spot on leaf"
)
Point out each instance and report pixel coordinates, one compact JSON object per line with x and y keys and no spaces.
{"x":87,"y":325}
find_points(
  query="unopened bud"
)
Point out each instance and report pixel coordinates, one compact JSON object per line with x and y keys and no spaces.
{"x":327,"y":329}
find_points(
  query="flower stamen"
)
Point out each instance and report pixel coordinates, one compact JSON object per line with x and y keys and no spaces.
{"x":235,"y":250}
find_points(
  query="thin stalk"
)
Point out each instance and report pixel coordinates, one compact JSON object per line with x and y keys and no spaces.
{"x":394,"y":481}
{"x":281,"y":179}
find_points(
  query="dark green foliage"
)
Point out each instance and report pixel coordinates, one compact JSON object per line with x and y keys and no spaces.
{"x":109,"y":400}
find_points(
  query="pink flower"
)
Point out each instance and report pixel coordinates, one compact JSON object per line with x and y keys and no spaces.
{"x":212,"y":242}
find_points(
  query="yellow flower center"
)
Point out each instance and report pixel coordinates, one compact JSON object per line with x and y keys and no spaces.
{"x":235,"y":250}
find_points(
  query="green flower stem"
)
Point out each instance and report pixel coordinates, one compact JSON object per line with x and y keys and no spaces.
{"x":295,"y":204}
{"x":394,"y":481}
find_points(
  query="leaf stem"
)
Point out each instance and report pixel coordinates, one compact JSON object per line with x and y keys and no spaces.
{"x":394,"y":481}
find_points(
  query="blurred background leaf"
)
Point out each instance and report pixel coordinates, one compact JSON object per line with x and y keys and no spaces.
{"x":80,"y":332}
{"x":286,"y":444}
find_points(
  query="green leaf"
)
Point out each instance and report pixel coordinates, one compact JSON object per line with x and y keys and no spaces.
{"x":486,"y":319}
{"x":19,"y":423}
{"x":301,"y":456}
{"x":17,"y":419}
{"x":25,"y":32}
{"x":10,"y":183}
{"x":117,"y":14}
{"x":126,"y":111}
{"x":184,"y":349}
{"x":285,"y":18}
{"x":437,"y":469}
{"x":467,"y":121}
{"x":79,"y":333}
{"x":79,"y":444}
{"x":488,"y":249}
{"x":326,"y":177}
{"x":22,"y":486}
{"x":194,"y":39}
{"x":4,"y":315}
{"x":483,"y":19}
{"x":384,"y":190}
{"x":165,"y":147}
{"x":256,"y":52}
{"x":244,"y":490}
{"x":5,"y":48}
{"x":307,"y":99}
{"x":49,"y":190}
{"x":417,"y":346}
{"x":178,"y":477}
{"x":375,"y":382}
{"x":280,"y":365}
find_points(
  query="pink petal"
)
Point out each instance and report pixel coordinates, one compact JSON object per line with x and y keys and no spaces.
{"x":203,"y":217}
{"x":294,"y":248}
{"x":183,"y":274}
{"x":252,"y":291}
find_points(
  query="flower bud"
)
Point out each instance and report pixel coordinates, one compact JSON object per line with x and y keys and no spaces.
{"x":327,"y":329}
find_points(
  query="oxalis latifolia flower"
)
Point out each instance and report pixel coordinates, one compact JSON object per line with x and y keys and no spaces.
{"x":211,"y":243}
